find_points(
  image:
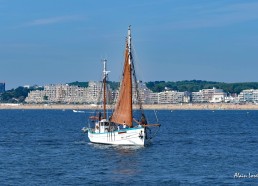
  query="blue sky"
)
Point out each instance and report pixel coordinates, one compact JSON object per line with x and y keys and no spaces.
{"x":59,"y":41}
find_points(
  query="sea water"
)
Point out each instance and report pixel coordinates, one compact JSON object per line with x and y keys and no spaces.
{"x":47,"y":147}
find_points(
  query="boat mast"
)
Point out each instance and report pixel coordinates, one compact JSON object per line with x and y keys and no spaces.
{"x":130,"y":72}
{"x":105,"y":73}
{"x":129,"y":44}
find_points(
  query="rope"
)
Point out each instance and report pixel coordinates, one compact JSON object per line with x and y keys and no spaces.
{"x":154,"y":134}
{"x":156,"y":116}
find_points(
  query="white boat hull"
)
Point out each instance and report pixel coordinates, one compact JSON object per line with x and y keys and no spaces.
{"x":129,"y":136}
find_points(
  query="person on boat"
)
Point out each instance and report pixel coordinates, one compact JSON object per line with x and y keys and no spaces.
{"x":124,"y":125}
{"x":143,"y":120}
{"x":139,"y":123}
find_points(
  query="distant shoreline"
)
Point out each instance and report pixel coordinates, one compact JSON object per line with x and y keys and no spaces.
{"x":205,"y":106}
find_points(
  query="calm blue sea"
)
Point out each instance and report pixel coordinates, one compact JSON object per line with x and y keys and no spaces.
{"x":47,"y":147}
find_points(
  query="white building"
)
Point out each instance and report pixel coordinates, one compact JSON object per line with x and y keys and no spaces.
{"x":209,"y":95}
{"x":153,"y":98}
{"x":250,"y":95}
{"x":58,"y":94}
{"x":143,"y":91}
{"x":36,"y":96}
{"x":218,"y":97}
{"x":197,"y":97}
{"x":94,"y":89}
{"x":168,"y":97}
{"x":61,"y":93}
{"x":231,"y":99}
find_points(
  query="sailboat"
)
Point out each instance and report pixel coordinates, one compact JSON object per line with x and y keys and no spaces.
{"x":122,"y":127}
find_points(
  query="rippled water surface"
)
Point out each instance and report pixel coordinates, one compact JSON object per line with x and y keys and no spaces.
{"x":47,"y":147}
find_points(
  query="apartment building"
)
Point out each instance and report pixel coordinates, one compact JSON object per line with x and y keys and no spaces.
{"x":168,"y":97}
{"x":37,"y":96}
{"x":209,"y":95}
{"x":58,"y":94}
{"x":143,"y":92}
{"x":250,"y":95}
{"x":61,"y":93}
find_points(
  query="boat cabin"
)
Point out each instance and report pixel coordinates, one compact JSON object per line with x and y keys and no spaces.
{"x":102,"y":126}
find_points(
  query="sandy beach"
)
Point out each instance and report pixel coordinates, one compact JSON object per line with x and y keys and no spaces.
{"x":208,"y":106}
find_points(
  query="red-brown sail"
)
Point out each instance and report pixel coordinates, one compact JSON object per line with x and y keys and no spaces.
{"x":123,"y":109}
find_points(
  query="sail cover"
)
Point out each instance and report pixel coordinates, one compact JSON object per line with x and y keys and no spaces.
{"x":123,"y":109}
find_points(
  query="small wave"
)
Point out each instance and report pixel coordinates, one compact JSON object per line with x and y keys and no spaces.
{"x":80,"y":142}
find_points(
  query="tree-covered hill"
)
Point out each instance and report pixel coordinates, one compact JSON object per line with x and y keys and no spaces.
{"x":113,"y":85}
{"x":17,"y":95}
{"x":79,"y":84}
{"x":190,"y":86}
{"x":196,"y":85}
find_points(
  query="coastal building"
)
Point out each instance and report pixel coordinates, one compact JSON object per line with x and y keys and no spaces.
{"x":168,"y":97}
{"x":153,"y":98}
{"x":58,"y":94}
{"x":143,"y":91}
{"x":2,"y":88}
{"x":36,"y":96}
{"x":197,"y":97}
{"x":218,"y":97}
{"x":94,"y":90}
{"x":213,"y":95}
{"x":250,"y":95}
{"x":61,"y":93}
{"x":231,"y":99}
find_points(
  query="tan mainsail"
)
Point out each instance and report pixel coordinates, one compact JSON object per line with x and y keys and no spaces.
{"x":123,"y":109}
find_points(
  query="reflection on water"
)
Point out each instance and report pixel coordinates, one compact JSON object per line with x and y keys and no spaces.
{"x":128,"y":164}
{"x":125,"y":160}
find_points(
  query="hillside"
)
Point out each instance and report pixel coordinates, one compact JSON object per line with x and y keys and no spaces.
{"x":196,"y":85}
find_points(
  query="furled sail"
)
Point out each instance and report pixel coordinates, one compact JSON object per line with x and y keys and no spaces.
{"x":123,"y":109}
